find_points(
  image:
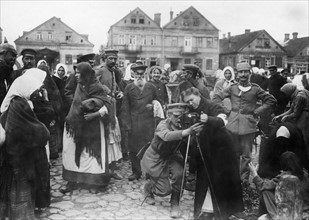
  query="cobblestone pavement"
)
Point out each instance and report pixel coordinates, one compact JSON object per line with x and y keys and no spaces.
{"x":122,"y":200}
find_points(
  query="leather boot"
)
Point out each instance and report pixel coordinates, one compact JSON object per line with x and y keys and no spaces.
{"x":175,"y":198}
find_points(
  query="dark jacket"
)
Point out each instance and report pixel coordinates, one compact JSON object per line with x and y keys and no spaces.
{"x":5,"y":81}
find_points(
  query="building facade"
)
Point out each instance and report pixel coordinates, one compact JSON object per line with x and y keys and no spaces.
{"x":298,"y":53}
{"x":257,"y":48}
{"x":55,"y":42}
{"x":185,"y":39}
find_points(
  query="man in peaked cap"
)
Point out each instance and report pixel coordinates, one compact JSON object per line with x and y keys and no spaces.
{"x":137,"y":116}
{"x":275,"y":82}
{"x":189,"y":79}
{"x":28,"y":59}
{"x":87,"y":58}
{"x":7,"y":60}
{"x":245,"y":113}
{"x":163,"y":161}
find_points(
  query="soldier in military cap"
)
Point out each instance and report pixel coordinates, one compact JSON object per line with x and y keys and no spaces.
{"x":189,"y":77}
{"x":137,"y":115}
{"x":7,"y":60}
{"x":275,"y":82}
{"x":87,"y":58}
{"x":245,"y":113}
{"x":28,"y":59}
{"x":163,"y":161}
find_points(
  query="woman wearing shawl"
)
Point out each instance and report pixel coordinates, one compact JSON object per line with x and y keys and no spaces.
{"x":226,"y":78}
{"x":24,"y":168}
{"x":299,"y":111}
{"x":84,"y":144}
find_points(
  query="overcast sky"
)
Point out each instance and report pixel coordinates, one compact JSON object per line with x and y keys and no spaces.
{"x":95,"y":17}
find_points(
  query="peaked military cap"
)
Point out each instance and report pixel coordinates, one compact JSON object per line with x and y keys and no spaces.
{"x":28,"y":51}
{"x":138,"y":67}
{"x":192,"y":67}
{"x":139,"y":62}
{"x":111,"y":52}
{"x":177,"y":108}
{"x":272,"y":67}
{"x":243,"y":66}
{"x":86,"y":58}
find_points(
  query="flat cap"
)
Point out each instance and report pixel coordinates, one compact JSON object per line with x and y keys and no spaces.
{"x":86,"y":58}
{"x":111,"y":52}
{"x":272,"y":67}
{"x":243,"y":66}
{"x":192,"y":67}
{"x":177,"y":108}
{"x":5,"y":47}
{"x":28,"y":51}
{"x":138,"y":67}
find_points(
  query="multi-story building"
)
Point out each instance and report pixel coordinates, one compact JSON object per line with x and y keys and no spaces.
{"x":55,"y":42}
{"x":257,"y":48}
{"x":185,"y":39}
{"x":298,"y":53}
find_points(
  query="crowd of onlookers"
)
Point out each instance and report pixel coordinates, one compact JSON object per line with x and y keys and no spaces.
{"x":101,"y":115}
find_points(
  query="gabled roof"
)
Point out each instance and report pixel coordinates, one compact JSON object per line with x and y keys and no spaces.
{"x":235,"y":44}
{"x":46,"y":22}
{"x":133,"y":12}
{"x":294,"y":46}
{"x":184,"y":12}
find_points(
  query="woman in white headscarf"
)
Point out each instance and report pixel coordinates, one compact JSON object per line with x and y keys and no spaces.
{"x":222,"y":83}
{"x":24,"y":168}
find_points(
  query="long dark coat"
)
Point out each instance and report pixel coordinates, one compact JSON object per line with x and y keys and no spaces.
{"x":218,"y":150}
{"x":137,"y":119}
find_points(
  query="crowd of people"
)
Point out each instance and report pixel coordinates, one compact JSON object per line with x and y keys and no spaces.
{"x":161,"y":121}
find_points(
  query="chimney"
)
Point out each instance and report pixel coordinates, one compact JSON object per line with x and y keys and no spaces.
{"x":294,"y":35}
{"x":171,"y":15}
{"x":228,"y":34}
{"x":224,"y":36}
{"x":157,"y":18}
{"x":286,"y":37}
{"x":247,"y":31}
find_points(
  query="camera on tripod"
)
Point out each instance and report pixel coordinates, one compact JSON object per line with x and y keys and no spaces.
{"x":188,"y":119}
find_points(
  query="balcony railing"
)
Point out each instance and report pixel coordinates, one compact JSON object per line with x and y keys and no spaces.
{"x":191,"y":50}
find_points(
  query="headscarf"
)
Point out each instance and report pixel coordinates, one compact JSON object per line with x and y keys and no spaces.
{"x":261,"y":72}
{"x":225,"y":69}
{"x":24,"y":86}
{"x":87,"y":134}
{"x":128,"y":75}
{"x":41,"y":63}
{"x":255,"y":70}
{"x":166,"y":66}
{"x":289,"y":89}
{"x":57,"y":68}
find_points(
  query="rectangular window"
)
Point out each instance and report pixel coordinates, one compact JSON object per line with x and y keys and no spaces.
{"x":266,"y":43}
{"x":272,"y":60}
{"x":199,"y":42}
{"x":132,"y":39}
{"x":121,"y":39}
{"x":68,"y":59}
{"x":259,"y":42}
{"x":196,"y":21}
{"x":133,"y":20}
{"x":50,"y":35}
{"x":208,"y":64}
{"x":153,"y":41}
{"x":68,"y":37}
{"x":187,"y":61}
{"x":39,"y":36}
{"x":144,"y":41}
{"x":174,"y":41}
{"x":209,"y":42}
{"x":278,"y":61}
{"x":141,"y":20}
{"x":121,"y":61}
{"x":267,"y":61}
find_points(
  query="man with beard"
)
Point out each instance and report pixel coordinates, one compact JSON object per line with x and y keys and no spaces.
{"x":163,"y":161}
{"x":244,"y":116}
{"x":28,"y":59}
{"x":7,"y":61}
{"x":137,"y":116}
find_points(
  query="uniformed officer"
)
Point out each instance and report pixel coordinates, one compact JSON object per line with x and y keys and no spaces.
{"x":163,"y":161}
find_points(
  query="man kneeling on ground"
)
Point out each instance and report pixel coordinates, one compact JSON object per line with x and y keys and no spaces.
{"x":163,"y":161}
